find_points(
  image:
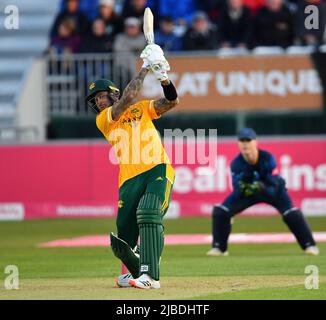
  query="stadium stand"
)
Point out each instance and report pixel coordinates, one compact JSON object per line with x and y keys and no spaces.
{"x":18,"y":47}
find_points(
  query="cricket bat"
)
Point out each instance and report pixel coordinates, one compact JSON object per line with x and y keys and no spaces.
{"x":148,"y":27}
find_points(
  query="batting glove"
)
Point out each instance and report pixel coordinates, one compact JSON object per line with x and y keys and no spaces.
{"x":152,"y":54}
{"x":160,"y":70}
{"x":146,"y":64}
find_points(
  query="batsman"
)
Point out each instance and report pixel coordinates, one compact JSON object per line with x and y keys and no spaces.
{"x":144,"y":184}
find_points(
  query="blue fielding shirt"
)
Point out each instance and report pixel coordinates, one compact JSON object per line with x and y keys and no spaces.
{"x":265,"y":170}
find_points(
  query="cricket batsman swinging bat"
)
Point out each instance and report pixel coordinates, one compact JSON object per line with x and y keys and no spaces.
{"x":148,"y":26}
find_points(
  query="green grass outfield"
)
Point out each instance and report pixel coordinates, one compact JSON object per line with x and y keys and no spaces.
{"x":252,"y":271}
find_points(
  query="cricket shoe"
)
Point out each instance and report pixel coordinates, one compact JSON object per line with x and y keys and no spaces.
{"x":145,"y":282}
{"x":123,"y":282}
{"x":215,"y":252}
{"x":312,"y":250}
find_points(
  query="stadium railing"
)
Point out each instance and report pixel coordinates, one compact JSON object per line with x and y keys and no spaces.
{"x":70,"y":75}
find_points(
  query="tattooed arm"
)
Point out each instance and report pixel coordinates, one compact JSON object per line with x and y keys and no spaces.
{"x":129,"y":94}
{"x":163,"y":105}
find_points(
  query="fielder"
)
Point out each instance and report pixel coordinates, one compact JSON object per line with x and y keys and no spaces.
{"x":255,"y":179}
{"x":144,"y":185}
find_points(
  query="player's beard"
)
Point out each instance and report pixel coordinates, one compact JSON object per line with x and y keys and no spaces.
{"x":106,"y":104}
{"x":101,"y":106}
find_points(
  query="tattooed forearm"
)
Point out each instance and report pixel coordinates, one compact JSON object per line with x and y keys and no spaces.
{"x":170,"y":99}
{"x":163,"y":105}
{"x":129,"y":94}
{"x":135,"y":85}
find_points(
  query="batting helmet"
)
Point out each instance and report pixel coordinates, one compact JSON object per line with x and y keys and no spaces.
{"x":99,"y":86}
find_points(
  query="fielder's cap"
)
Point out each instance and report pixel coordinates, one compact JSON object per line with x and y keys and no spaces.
{"x":247,"y":133}
{"x":106,"y":3}
{"x":132,"y":21}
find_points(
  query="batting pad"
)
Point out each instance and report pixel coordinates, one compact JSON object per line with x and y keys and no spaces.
{"x":151,"y":232}
{"x":122,"y":251}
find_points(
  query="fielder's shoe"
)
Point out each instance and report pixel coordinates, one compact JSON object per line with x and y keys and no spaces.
{"x":145,"y":282}
{"x":312,"y":250}
{"x":122,"y":280}
{"x":215,"y":252}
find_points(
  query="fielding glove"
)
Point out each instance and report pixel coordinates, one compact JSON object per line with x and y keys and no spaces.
{"x":259,"y":186}
{"x":249,"y":189}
